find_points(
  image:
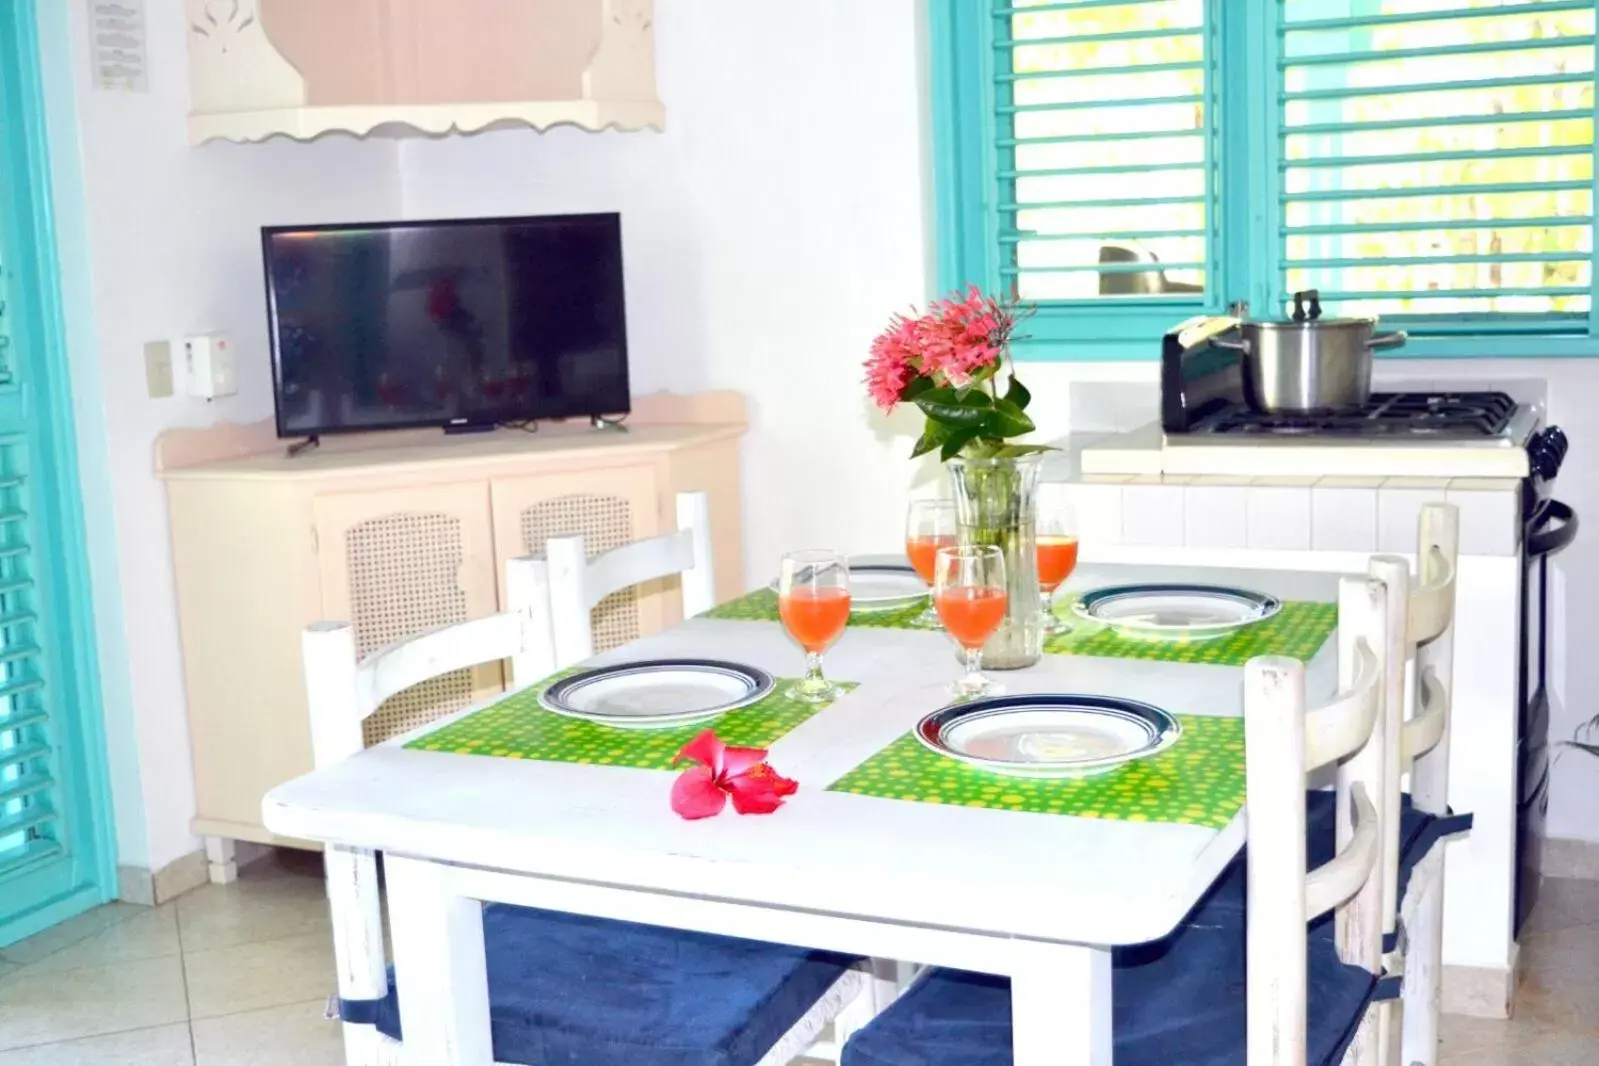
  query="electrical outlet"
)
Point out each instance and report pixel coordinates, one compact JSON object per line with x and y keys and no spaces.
{"x":158,"y":369}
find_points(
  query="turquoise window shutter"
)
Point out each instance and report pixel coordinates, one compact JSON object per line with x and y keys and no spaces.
{"x":1078,"y":164}
{"x":1127,"y":163}
{"x":1437,"y":167}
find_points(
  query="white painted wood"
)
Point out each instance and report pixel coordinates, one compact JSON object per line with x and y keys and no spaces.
{"x":1061,"y":1005}
{"x":222,"y":867}
{"x":578,"y":583}
{"x":527,"y":589}
{"x":1274,"y":737}
{"x":1282,"y":897}
{"x":1342,"y":727}
{"x":440,"y":967}
{"x":1394,"y":573}
{"x":1438,"y":550}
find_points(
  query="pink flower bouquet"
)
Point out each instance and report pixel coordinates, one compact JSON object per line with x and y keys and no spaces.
{"x":947,"y":362}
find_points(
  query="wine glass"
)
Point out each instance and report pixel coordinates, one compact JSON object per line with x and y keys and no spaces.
{"x":929,"y":526}
{"x":1057,"y":554}
{"x":813,"y":602}
{"x":969,"y":592}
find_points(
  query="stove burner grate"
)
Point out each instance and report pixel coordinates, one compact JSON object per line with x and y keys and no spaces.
{"x":1443,"y":415}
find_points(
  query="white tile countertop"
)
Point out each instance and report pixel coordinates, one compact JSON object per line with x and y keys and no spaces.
{"x":1290,"y":513}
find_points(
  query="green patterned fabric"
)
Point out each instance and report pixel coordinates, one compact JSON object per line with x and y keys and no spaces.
{"x":1297,"y":631}
{"x":518,"y":728}
{"x":761,"y":606}
{"x":1197,"y":781}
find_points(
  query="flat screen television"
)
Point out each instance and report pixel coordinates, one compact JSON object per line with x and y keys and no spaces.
{"x":462,"y":324}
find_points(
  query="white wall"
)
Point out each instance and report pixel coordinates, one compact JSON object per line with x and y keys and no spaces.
{"x":170,"y":236}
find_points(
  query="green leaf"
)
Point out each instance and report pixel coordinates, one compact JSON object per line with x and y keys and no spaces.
{"x":1016,"y":451}
{"x":915,"y":387}
{"x":1017,"y":393}
{"x":933,"y":437}
{"x":1008,"y":420}
{"x":952,"y":407}
{"x":958,"y":439}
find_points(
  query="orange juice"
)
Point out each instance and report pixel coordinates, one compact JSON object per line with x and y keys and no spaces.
{"x":971,"y":614}
{"x":814,"y":616}
{"x":1057,"y":558}
{"x":923,"y":550}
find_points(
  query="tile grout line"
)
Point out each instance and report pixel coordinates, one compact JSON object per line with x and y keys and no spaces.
{"x":74,"y":943}
{"x":183,"y":971}
{"x":91,"y":1036}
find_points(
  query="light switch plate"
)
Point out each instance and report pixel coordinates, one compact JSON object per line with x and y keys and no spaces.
{"x":158,"y":369}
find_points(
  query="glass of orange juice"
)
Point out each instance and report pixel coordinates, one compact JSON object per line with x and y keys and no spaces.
{"x":929,"y":526}
{"x":813,"y":602}
{"x":969,"y":592}
{"x":1057,"y":554}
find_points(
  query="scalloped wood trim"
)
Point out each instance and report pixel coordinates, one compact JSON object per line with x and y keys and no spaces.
{"x":308,"y":123}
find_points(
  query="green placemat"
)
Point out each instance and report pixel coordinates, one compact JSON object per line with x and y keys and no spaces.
{"x":1297,"y":631}
{"x":518,"y":728}
{"x":1197,"y":781}
{"x":761,"y":606}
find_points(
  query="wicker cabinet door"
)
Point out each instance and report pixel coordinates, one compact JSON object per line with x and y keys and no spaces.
{"x":610,"y":508}
{"x":400,"y":561}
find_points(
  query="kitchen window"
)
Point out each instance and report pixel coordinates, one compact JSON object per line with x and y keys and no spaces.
{"x":1128,"y":163}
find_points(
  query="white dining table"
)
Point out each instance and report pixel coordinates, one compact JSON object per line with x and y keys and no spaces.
{"x":1039,"y":898}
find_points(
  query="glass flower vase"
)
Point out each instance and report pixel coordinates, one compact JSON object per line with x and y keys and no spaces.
{"x":995,"y":503}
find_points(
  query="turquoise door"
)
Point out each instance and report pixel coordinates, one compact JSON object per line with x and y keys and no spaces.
{"x":55,"y":856}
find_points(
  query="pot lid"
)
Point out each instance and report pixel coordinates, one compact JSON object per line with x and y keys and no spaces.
{"x":1307,"y":314}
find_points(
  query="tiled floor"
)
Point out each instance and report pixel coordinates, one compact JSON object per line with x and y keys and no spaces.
{"x":239,"y":975}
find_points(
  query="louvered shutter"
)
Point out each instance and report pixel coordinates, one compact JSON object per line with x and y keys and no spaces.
{"x":1437,"y":160}
{"x":1106,"y":150}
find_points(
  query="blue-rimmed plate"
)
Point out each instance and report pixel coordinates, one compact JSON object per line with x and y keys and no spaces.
{"x":1049,"y":735}
{"x":1175,"y":611}
{"x":882,"y":583}
{"x":658,"y":693}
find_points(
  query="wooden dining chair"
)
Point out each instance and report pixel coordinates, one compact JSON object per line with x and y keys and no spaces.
{"x":578,"y":583}
{"x":1278,"y":990}
{"x":562,"y":987}
{"x":1415,"y":925}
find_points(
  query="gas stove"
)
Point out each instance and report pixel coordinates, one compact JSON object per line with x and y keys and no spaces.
{"x":1462,"y":416}
{"x":1208,"y":427}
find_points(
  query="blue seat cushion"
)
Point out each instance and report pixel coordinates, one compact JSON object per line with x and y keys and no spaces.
{"x":575,"y":991}
{"x":1418,"y":833}
{"x":1177,"y":1002}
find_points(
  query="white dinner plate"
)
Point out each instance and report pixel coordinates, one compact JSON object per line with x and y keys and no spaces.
{"x":1175,"y":611}
{"x":1049,"y":735}
{"x":656,"y":694}
{"x":885,"y":585}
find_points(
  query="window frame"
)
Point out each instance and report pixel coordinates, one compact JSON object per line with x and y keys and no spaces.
{"x":1244,"y":246}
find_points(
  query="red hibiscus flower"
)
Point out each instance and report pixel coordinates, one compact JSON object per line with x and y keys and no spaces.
{"x":702,"y":791}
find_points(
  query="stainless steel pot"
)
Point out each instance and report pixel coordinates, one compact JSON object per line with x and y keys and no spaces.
{"x":1309,"y":364}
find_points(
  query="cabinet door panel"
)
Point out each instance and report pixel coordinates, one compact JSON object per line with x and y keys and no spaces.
{"x":401,"y":561}
{"x":610,"y":508}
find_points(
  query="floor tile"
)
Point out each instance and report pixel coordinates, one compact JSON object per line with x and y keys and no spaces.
{"x":1565,"y":904}
{"x":45,"y":1007}
{"x":152,"y":934}
{"x":1531,"y":1048}
{"x":251,"y":910}
{"x":248,"y":977}
{"x":70,"y":932}
{"x":165,"y":1046}
{"x":295,"y":1035}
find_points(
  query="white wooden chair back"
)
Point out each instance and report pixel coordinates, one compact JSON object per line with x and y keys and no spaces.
{"x":1285,"y":742}
{"x":343,"y":693}
{"x":1424,"y":754}
{"x":578,"y":583}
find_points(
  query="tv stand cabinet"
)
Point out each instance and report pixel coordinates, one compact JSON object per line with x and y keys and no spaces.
{"x":397,"y":533}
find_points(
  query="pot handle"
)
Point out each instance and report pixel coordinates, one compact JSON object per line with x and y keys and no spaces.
{"x":1396,"y":339}
{"x":1231,"y":346}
